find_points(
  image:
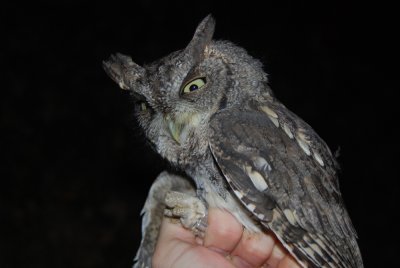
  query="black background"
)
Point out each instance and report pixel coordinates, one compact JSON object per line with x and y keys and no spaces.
{"x":75,"y":169}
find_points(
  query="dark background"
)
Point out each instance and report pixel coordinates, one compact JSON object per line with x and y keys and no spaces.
{"x":75,"y":170}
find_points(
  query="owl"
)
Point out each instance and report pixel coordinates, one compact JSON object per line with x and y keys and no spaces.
{"x":209,"y":111}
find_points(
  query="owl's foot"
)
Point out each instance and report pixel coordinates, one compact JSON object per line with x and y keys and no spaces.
{"x":189,"y":209}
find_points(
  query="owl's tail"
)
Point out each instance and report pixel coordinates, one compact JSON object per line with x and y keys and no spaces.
{"x":314,"y":250}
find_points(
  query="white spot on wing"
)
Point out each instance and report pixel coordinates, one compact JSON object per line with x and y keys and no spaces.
{"x":276,"y":216}
{"x":316,"y":248}
{"x":122,"y":85}
{"x":271,"y":114}
{"x":318,"y":157}
{"x":274,"y":120}
{"x":261,"y":164}
{"x":251,"y":207}
{"x":296,"y":217}
{"x":302,"y":141}
{"x":238,"y":194}
{"x":269,"y":111}
{"x":287,"y":131}
{"x":257,"y":179}
{"x":308,"y":251}
{"x":289,"y":216}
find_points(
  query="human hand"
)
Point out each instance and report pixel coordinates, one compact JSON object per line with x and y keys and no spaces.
{"x":225,"y":245}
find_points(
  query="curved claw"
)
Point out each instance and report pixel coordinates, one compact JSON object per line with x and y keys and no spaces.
{"x":189,"y":209}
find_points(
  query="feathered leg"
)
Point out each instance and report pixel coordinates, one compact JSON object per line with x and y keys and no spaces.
{"x":153,"y":213}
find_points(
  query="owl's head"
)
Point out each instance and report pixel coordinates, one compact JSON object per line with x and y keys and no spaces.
{"x":177,"y":95}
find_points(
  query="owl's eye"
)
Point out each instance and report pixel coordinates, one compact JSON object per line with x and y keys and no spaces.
{"x":194,"y":85}
{"x":143,"y":106}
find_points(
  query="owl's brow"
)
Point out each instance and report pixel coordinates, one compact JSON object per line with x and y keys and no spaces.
{"x":191,"y":74}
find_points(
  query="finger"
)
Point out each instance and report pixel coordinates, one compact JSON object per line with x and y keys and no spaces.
{"x":277,"y":255}
{"x":223,"y":231}
{"x":176,"y":248}
{"x":253,"y":249}
{"x":173,"y":241}
{"x":288,"y":262}
{"x":201,"y":257}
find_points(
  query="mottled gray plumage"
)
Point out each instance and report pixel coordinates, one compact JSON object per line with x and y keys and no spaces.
{"x":208,"y":110}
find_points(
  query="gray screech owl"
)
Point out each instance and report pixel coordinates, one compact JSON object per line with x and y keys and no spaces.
{"x":208,"y":110}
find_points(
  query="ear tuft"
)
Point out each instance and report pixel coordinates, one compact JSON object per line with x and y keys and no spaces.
{"x":202,"y":36}
{"x":205,"y":30}
{"x":123,"y":70}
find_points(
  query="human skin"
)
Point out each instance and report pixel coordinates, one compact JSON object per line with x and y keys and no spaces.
{"x":225,"y":244}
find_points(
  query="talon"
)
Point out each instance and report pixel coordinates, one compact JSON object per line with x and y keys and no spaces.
{"x":189,"y":209}
{"x":179,"y":211}
{"x":168,"y":213}
{"x":200,"y":227}
{"x":202,"y":224}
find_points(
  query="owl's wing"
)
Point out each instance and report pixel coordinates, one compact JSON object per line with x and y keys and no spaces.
{"x":286,"y":176}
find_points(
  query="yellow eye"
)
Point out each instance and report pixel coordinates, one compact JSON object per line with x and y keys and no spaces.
{"x":142,"y":106}
{"x":194,"y":85}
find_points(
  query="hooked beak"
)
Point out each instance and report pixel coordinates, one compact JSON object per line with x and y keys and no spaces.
{"x":181,"y":127}
{"x":175,"y":129}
